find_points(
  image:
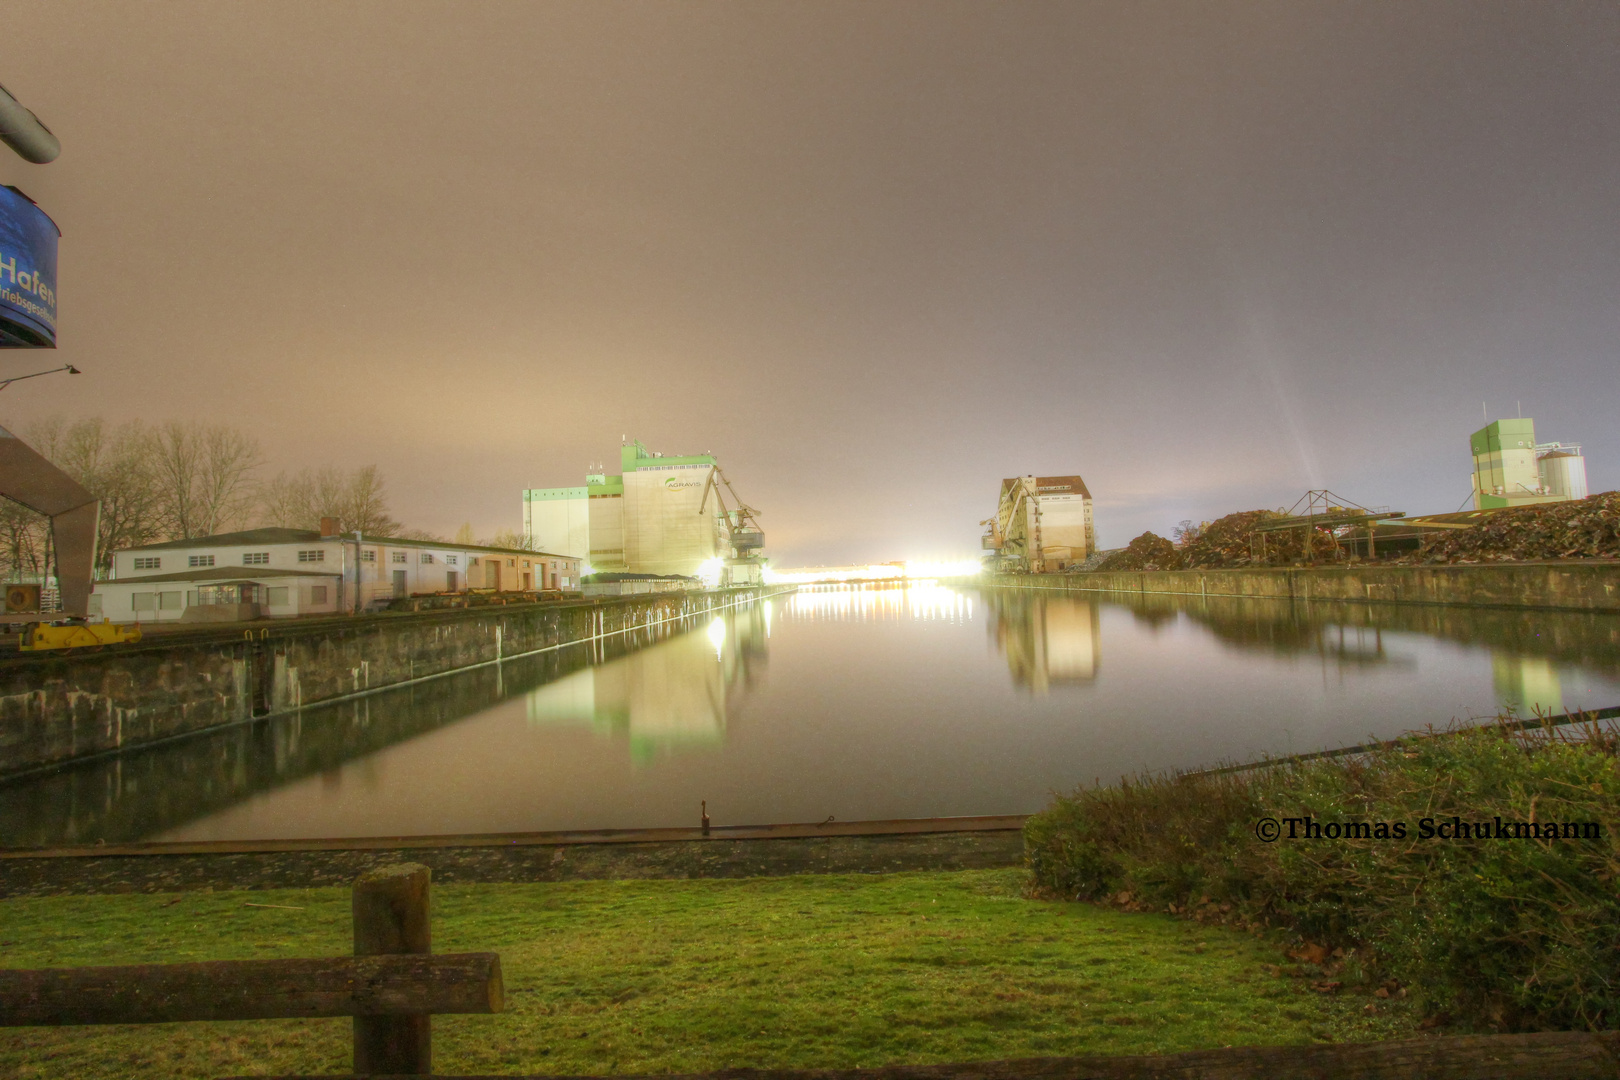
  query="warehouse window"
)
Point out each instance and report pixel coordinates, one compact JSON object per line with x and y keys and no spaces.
{"x":317,"y":594}
{"x":277,"y":596}
{"x":398,"y":556}
{"x":449,"y":560}
{"x":148,"y":562}
{"x":144,"y":601}
{"x":313,"y":555}
{"x":95,"y":603}
{"x":427,"y":556}
{"x":368,"y":556}
{"x":170,"y":601}
{"x":201,"y":560}
{"x":255,"y":558}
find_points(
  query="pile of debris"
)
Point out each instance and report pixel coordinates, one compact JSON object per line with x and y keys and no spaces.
{"x":1585,"y":529}
{"x":1228,"y":542}
{"x":1150,"y":551}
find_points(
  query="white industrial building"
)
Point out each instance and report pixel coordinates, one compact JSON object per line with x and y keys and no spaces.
{"x":278,"y":573}
{"x":1042,"y":523}
{"x":657,"y":516}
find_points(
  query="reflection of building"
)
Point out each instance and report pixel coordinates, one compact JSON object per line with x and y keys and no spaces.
{"x":1042,"y":523}
{"x":1048,"y":641}
{"x":1512,"y":469}
{"x":657,"y":516}
{"x":668,"y":696}
{"x":1527,"y":685}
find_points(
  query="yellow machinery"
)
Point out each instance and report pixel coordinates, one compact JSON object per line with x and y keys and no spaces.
{"x":38,"y":637}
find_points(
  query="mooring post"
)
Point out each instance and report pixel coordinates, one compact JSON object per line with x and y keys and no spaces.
{"x":391,"y":917}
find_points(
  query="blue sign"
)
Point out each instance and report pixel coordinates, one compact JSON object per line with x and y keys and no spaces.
{"x":27,"y":273}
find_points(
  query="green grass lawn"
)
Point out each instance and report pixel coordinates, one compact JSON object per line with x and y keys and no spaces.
{"x":685,"y":976}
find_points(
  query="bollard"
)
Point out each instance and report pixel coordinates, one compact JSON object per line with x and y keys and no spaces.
{"x":390,"y":917}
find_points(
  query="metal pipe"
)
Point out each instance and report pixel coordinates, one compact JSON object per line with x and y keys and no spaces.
{"x":21,"y":130}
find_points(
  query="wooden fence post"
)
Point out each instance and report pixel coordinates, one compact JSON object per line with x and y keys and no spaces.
{"x":391,"y":916}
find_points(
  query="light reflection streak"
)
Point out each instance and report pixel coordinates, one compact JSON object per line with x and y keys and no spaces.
{"x":918,"y":600}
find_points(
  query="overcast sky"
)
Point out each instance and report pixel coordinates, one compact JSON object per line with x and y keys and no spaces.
{"x":875,"y":255}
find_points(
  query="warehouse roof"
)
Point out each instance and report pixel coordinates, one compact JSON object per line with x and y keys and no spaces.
{"x":276,"y":535}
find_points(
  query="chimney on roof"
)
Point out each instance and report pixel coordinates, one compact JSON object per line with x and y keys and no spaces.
{"x":329,"y":527}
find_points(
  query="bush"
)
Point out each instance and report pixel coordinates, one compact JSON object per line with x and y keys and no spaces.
{"x":1504,"y":934}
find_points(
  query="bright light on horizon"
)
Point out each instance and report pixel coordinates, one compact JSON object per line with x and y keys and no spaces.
{"x":874,"y":572}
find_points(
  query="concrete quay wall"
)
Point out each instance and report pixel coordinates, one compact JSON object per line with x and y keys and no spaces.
{"x":1584,"y":585}
{"x":61,"y":708}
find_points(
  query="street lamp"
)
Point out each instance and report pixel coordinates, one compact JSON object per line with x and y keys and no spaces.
{"x":69,"y":368}
{"x":21,"y":130}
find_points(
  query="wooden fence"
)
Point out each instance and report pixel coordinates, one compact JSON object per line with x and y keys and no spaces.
{"x":392,"y":985}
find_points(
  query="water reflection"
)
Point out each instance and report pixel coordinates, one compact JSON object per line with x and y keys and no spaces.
{"x":146,"y":793}
{"x":882,"y":601}
{"x":881,"y":702}
{"x":673,"y":696}
{"x":1528,"y":649}
{"x":1527,"y":685}
{"x":1048,"y":640}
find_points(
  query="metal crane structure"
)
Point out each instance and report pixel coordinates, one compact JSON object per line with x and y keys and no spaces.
{"x":1014,"y":538}
{"x":744,"y":563}
{"x":1322,"y":509}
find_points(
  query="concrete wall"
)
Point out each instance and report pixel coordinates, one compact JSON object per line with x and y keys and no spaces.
{"x":1586,"y":585}
{"x":55,"y":709}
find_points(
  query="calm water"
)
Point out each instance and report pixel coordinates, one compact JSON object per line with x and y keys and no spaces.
{"x":838,"y":702}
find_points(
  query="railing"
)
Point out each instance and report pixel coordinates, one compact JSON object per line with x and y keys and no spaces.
{"x":392,"y":985}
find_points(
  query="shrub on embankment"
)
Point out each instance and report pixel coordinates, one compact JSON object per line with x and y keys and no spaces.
{"x":1515,"y":934}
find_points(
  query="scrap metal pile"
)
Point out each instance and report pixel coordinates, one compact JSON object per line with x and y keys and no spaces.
{"x":1228,"y":542}
{"x":1585,"y":529}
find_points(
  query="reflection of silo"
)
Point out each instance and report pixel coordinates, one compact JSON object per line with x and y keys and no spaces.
{"x":1563,"y":473}
{"x":1071,"y":641}
{"x":1527,"y":685}
{"x":667,"y":696}
{"x":1050,"y":641}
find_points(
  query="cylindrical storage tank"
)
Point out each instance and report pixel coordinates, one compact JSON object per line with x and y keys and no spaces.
{"x":1563,"y":473}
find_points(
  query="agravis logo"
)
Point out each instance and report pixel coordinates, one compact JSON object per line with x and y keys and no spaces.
{"x":675,"y":483}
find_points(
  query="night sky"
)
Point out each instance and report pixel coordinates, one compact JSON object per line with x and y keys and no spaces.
{"x":875,"y":255}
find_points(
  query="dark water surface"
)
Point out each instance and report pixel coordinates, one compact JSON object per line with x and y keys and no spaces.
{"x":842,"y":702}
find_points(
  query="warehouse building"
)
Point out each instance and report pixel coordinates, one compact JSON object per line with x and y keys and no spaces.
{"x":277,"y":573}
{"x":1042,"y":523}
{"x":656,"y":516}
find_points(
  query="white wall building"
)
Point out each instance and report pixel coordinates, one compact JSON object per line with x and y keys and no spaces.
{"x":287,"y":572}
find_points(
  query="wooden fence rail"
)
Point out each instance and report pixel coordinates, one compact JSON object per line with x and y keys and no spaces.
{"x":252,"y":990}
{"x":392,"y":986}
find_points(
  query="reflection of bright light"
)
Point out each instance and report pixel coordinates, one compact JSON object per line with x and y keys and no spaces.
{"x":874,"y":572}
{"x":768,"y":618}
{"x":586,"y":569}
{"x":717,"y":637}
{"x":709,"y":571}
{"x":917,"y":600}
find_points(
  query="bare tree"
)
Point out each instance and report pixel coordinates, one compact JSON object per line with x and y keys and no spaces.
{"x":288,"y":501}
{"x":204,"y":476}
{"x":510,"y":538}
{"x":227,"y":460}
{"x":356,"y":500}
{"x":365,"y":506}
{"x":115,"y":467}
